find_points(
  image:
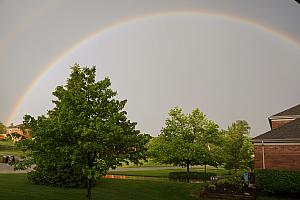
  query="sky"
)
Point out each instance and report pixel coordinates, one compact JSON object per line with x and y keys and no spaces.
{"x":232,"y":59}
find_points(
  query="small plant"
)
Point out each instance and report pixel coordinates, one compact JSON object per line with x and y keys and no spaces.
{"x":236,"y":180}
{"x":212,"y":187}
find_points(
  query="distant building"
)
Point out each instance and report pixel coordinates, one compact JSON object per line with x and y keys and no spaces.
{"x":279,"y":148}
{"x":17,"y":132}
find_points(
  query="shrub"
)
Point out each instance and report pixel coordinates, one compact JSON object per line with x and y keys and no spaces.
{"x":235,"y":179}
{"x":212,"y":187}
{"x":191,"y":175}
{"x":279,"y":181}
{"x":59,"y":177}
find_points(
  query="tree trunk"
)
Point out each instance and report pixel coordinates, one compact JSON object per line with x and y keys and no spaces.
{"x":205,"y":168}
{"x":188,"y":166}
{"x":89,"y":181}
{"x":89,"y":190}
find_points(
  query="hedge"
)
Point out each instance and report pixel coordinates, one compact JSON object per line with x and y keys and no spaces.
{"x":191,"y":175}
{"x":279,"y":181}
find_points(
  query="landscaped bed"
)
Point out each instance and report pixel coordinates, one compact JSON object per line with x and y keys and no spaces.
{"x":233,"y":187}
{"x":227,"y":191}
{"x":224,"y":191}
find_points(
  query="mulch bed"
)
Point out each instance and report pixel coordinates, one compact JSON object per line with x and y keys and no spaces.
{"x":231,"y":192}
{"x":228,"y":192}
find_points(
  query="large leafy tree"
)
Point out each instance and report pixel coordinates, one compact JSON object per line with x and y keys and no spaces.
{"x":186,"y":140}
{"x":238,"y":149}
{"x":85,"y":134}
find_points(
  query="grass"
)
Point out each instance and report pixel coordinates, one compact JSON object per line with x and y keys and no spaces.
{"x":165,"y":172}
{"x":16,"y":186}
{"x":149,"y":163}
{"x":9,"y":148}
{"x":148,"y":173}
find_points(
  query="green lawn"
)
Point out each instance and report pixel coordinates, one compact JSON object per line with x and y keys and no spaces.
{"x":9,"y":148}
{"x":165,"y":172}
{"x":149,"y":163}
{"x":16,"y":186}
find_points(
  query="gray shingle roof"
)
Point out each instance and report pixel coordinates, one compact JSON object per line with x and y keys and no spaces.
{"x":289,"y":131}
{"x":289,"y":112}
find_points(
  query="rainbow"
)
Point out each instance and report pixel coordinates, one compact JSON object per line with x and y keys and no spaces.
{"x":134,"y":19}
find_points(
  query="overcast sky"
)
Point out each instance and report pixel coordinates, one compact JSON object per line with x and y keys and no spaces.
{"x":233,"y":59}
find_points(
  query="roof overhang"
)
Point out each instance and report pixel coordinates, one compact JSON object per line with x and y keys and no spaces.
{"x":285,"y":140}
{"x":284,"y":117}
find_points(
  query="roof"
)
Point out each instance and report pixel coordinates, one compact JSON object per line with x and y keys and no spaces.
{"x":294,"y":111}
{"x":16,"y":126}
{"x":287,"y":132}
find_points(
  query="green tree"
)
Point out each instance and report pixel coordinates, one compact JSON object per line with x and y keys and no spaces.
{"x":85,"y":134}
{"x":238,"y":149}
{"x":186,"y":140}
{"x":2,"y":128}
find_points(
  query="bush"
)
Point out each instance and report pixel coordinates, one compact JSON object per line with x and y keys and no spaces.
{"x":191,"y":175}
{"x":279,"y":181}
{"x":212,"y":187}
{"x":235,"y":181}
{"x":58,"y":176}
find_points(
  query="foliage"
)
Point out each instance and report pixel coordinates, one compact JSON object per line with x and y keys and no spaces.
{"x":212,"y":187}
{"x":61,"y":176}
{"x":187,"y":140}
{"x":191,"y":175}
{"x":15,"y":137}
{"x":2,"y":128}
{"x":85,"y":134}
{"x":238,"y":149}
{"x":236,"y":180}
{"x":278,"y":180}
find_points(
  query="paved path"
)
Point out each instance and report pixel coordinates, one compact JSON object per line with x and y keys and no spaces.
{"x":7,"y":169}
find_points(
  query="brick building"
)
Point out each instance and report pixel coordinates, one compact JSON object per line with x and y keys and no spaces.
{"x":279,"y":148}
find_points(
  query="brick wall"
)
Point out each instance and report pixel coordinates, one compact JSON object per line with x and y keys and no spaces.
{"x":278,"y":123}
{"x":278,"y":157}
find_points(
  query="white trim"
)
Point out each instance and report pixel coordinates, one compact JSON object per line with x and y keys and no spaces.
{"x":283,"y":140}
{"x":263,"y":154}
{"x":279,"y":144}
{"x":285,"y":117}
